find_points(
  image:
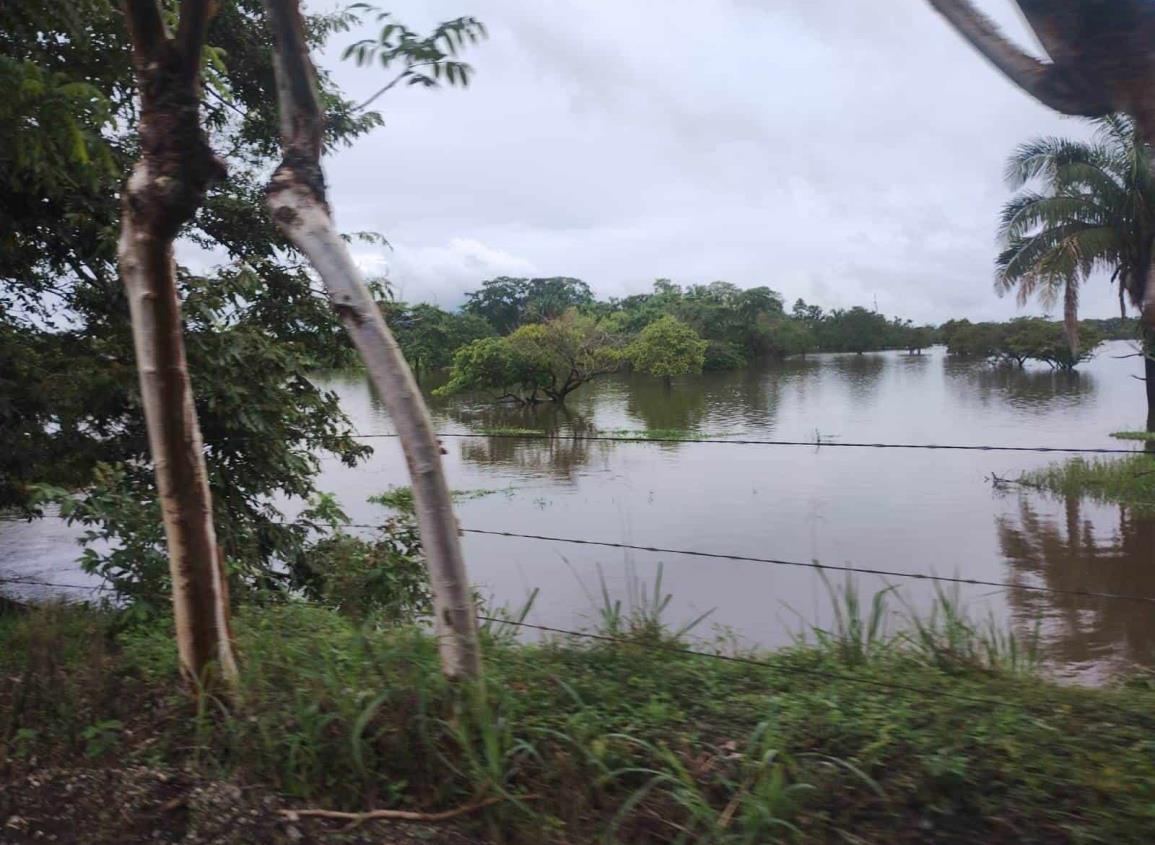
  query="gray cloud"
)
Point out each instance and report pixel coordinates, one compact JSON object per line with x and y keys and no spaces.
{"x":838,"y":150}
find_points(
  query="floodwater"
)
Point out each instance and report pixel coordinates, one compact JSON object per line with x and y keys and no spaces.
{"x":906,"y":510}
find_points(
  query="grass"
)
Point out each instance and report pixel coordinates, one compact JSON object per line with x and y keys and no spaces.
{"x":511,"y":431}
{"x":590,"y":741}
{"x":401,"y":498}
{"x":660,"y":433}
{"x":1129,"y":480}
{"x":1134,"y":435}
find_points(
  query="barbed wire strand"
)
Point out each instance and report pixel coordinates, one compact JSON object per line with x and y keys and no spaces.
{"x":746,"y":441}
{"x":770,"y":561}
{"x":847,"y":568}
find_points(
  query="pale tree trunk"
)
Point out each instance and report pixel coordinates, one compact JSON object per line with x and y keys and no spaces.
{"x":165,"y":189}
{"x":298,"y":203}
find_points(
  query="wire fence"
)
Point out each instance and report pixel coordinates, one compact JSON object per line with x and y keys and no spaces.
{"x":737,"y":440}
{"x":813,"y":565}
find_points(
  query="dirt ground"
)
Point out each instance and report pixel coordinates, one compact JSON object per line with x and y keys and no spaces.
{"x":138,"y":804}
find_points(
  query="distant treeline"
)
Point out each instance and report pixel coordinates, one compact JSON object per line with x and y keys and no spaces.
{"x":739,"y":325}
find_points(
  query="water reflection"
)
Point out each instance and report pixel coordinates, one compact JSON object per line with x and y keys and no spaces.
{"x":1075,"y":551}
{"x":1024,"y":389}
{"x":861,"y":375}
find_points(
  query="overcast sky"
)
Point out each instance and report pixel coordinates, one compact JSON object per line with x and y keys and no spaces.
{"x":843,"y":151}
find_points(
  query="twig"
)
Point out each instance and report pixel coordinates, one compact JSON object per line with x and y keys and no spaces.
{"x":400,"y":815}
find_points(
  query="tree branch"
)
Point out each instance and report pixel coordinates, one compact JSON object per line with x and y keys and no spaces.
{"x":390,"y":85}
{"x":301,"y":122}
{"x":145,"y":29}
{"x":1052,"y":84}
{"x":190,"y":34}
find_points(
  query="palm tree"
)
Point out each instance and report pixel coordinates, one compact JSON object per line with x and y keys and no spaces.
{"x":1095,"y":211}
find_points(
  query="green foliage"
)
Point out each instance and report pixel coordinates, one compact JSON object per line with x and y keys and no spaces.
{"x":429,"y":335}
{"x":507,"y":302}
{"x":666,"y":348}
{"x":1021,"y":340}
{"x":384,"y":579}
{"x":1045,"y":341}
{"x":634,"y":741}
{"x":553,"y":358}
{"x":1129,"y":481}
{"x":1146,"y":436}
{"x":1093,"y":212}
{"x":70,"y":422}
{"x":424,"y":60}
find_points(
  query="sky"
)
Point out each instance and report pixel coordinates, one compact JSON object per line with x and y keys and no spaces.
{"x":849,"y":152}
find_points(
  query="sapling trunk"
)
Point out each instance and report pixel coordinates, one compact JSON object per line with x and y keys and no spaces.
{"x":297,"y":199}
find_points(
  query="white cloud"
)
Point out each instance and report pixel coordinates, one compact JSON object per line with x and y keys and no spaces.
{"x":838,"y":150}
{"x":442,"y":274}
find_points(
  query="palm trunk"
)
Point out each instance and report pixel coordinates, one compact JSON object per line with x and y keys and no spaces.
{"x":166,"y":187}
{"x":1071,"y":315}
{"x":297,"y":200}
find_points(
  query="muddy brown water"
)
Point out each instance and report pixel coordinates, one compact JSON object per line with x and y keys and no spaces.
{"x":897,"y":509}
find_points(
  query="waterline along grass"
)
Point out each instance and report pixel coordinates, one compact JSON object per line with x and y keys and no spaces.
{"x":1128,"y":481}
{"x":1134,"y":435}
{"x":594,"y":741}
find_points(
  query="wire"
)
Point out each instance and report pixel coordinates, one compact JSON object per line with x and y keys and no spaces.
{"x":770,"y":561}
{"x":861,"y":570}
{"x":606,"y":438}
{"x":36,"y":583}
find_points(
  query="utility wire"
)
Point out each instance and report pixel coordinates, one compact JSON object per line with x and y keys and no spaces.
{"x":861,"y":570}
{"x":37,"y":583}
{"x":745,"y":441}
{"x":770,"y":561}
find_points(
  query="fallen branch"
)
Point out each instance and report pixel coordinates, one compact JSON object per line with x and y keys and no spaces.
{"x":398,"y":815}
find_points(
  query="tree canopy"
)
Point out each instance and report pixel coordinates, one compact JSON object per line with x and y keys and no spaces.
{"x":666,"y":348}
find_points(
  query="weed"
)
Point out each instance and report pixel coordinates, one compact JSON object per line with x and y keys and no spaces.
{"x":642,"y":617}
{"x":1134,"y":435}
{"x":1129,"y":481}
{"x":855,"y":638}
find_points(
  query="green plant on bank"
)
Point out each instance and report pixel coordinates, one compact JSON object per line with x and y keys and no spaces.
{"x":661,"y":433}
{"x":400,"y":498}
{"x":855,"y":637}
{"x":592,"y":741}
{"x":1127,"y":481}
{"x":511,"y":431}
{"x":641,"y":618}
{"x":1147,"y":436}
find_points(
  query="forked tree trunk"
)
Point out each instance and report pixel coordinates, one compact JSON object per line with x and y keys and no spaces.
{"x":166,"y":187}
{"x":298,"y":203}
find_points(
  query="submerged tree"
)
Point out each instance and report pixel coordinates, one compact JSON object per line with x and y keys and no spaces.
{"x":667,"y":348}
{"x":550,"y":359}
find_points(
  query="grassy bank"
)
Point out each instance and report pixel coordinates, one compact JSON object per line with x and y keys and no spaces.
{"x":1129,"y":480}
{"x":590,"y":741}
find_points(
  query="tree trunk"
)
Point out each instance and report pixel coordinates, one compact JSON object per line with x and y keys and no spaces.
{"x":166,"y":187}
{"x":296,"y":196}
{"x":1071,"y":315}
{"x":1148,"y":343}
